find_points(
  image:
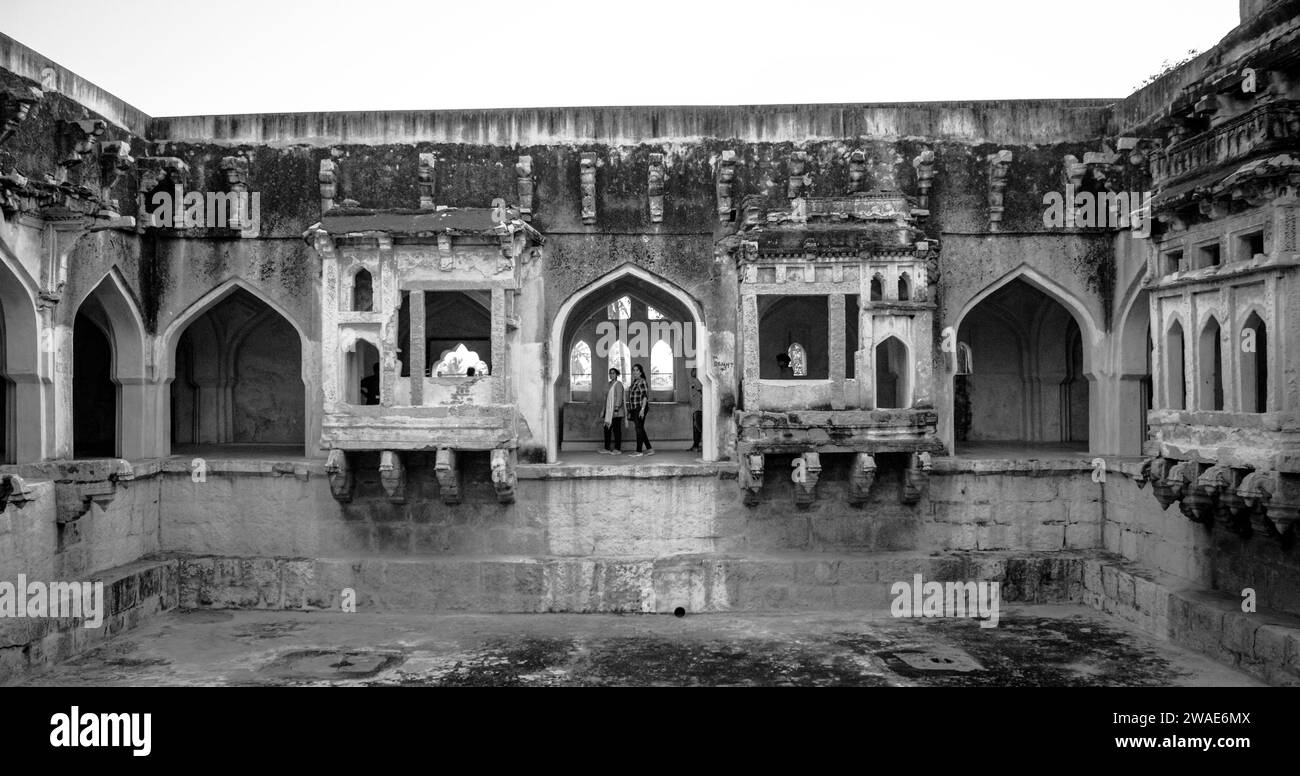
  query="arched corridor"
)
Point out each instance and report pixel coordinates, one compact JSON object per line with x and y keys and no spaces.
{"x":238,"y":380}
{"x":1028,"y":385}
{"x":629,"y":318}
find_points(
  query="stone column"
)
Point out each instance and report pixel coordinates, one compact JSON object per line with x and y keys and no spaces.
{"x":835,"y":326}
{"x":417,"y":345}
{"x":499,"y":370}
{"x":749,"y":340}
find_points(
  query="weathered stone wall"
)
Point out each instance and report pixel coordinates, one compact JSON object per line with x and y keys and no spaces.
{"x":259,"y":509}
{"x":1209,"y":557}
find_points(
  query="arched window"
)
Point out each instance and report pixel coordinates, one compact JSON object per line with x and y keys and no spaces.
{"x":904,"y":287}
{"x":362,"y":292}
{"x":892,"y":386}
{"x":362,"y":374}
{"x":620,"y":358}
{"x":1175,"y":373}
{"x":580,"y":367}
{"x":877,"y":288}
{"x":1211,"y":368}
{"x":661,"y":367}
{"x":458,"y":361}
{"x":620,"y":309}
{"x":798,"y":359}
{"x":1254,"y":365}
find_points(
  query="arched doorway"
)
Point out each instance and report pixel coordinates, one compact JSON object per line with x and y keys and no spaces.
{"x":94,"y":395}
{"x":1136,"y":395}
{"x":109,"y":385}
{"x":237,"y":383}
{"x":1030,"y":385}
{"x":624,"y":316}
{"x":23,"y":396}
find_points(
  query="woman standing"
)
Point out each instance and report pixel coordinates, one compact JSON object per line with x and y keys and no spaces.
{"x":638,"y":406}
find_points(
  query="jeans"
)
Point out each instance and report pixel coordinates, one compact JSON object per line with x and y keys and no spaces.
{"x":617,"y":429}
{"x":641,"y":438}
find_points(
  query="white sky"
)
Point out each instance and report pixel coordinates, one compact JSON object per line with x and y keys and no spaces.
{"x":180,"y":57}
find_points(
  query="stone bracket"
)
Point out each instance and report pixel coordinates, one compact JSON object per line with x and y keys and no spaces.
{"x":807,"y":471}
{"x":916,"y":478}
{"x":655,"y":187}
{"x":448,"y":474}
{"x":392,"y":475}
{"x":751,"y":478}
{"x":78,"y":484}
{"x":999,"y":164}
{"x":1220,"y":483}
{"x":503,"y":475}
{"x":339,"y":471}
{"x":15,"y":107}
{"x":114,"y":160}
{"x":427,"y":180}
{"x":798,"y":179}
{"x":587,"y":178}
{"x":77,"y":141}
{"x":524,"y":186}
{"x":861,"y":478}
{"x":924,"y":165}
{"x":726,"y":177}
{"x":13,"y":490}
{"x":327,"y":178}
{"x":857,"y":171}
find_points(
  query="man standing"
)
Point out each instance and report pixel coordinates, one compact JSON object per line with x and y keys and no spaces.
{"x":613,"y":415}
{"x":697,"y":411}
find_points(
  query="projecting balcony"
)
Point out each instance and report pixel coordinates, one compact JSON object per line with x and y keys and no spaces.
{"x":1270,"y":128}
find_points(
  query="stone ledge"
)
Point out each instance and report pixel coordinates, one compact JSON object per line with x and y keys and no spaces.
{"x":566,"y":471}
{"x":132,"y":593}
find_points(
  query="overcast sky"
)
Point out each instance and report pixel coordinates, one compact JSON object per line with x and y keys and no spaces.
{"x":179,"y":57}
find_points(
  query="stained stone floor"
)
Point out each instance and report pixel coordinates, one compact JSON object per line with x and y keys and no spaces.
{"x":1032,"y":646}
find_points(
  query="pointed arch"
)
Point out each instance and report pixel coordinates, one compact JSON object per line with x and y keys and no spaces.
{"x":216,"y":416}
{"x":113,"y":309}
{"x":24,"y":393}
{"x":1209,"y":367}
{"x":893,"y":384}
{"x":165,"y":347}
{"x":1254,"y":363}
{"x":666,"y":296}
{"x":1029,"y":387}
{"x":580,"y":369}
{"x":904,"y":287}
{"x":1175,"y":367}
{"x":1087,"y":323}
{"x":363,"y":289}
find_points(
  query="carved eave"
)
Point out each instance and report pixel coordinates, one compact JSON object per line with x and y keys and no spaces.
{"x":429,"y":225}
{"x":63,"y":203}
{"x":1254,"y":183}
{"x":876,"y":225}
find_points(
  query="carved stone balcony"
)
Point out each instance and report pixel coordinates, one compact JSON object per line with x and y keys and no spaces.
{"x":1268,"y":128}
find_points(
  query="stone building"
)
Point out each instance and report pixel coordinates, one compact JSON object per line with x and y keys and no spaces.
{"x":215,"y":391}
